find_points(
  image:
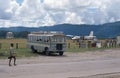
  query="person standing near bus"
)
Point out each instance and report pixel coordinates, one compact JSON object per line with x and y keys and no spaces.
{"x":12,"y":55}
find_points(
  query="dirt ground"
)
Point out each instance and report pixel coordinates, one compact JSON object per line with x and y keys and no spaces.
{"x":108,"y":75}
{"x":73,"y":57}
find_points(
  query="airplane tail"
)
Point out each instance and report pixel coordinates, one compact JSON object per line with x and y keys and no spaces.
{"x":91,"y":33}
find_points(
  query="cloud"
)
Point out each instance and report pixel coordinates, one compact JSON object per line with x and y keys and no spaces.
{"x":113,"y":10}
{"x":49,"y":12}
{"x":32,"y":13}
{"x":4,"y":13}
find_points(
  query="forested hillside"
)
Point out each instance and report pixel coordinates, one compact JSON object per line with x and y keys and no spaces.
{"x":109,"y":30}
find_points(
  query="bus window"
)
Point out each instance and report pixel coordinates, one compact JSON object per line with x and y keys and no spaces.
{"x":40,"y":39}
{"x":30,"y":38}
{"x":58,"y":39}
{"x":46,"y":39}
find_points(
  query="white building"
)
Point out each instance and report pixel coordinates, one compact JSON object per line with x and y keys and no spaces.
{"x":118,"y":40}
{"x":9,"y":35}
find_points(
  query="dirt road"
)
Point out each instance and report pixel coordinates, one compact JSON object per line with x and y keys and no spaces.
{"x":99,"y":64}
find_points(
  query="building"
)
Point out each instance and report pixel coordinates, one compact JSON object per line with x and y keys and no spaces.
{"x":118,"y":40}
{"x":9,"y":35}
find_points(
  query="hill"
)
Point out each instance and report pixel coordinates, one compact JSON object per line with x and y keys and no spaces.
{"x":109,"y":30}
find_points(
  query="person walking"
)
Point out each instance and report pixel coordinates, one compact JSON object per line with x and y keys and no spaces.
{"x":12,"y":55}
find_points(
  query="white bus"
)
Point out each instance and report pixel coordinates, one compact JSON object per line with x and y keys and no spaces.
{"x":47,"y":42}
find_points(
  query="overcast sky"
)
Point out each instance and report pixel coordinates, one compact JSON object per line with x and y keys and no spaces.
{"x":34,"y":13}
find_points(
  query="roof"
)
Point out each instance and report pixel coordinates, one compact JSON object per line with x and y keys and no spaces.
{"x":47,"y":33}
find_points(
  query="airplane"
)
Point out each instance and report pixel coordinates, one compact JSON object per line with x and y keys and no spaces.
{"x":76,"y":37}
{"x":90,"y":37}
{"x":73,"y":37}
{"x":70,"y":36}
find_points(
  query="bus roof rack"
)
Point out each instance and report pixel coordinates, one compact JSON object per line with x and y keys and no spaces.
{"x":47,"y":32}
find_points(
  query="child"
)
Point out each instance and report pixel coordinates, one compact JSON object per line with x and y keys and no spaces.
{"x":12,"y":55}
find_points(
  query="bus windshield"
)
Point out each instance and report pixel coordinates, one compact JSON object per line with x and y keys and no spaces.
{"x":58,"y":39}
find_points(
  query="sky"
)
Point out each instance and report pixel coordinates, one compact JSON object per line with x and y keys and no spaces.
{"x":36,"y":13}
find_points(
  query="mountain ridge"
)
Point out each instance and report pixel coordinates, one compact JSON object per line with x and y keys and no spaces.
{"x":108,"y":30}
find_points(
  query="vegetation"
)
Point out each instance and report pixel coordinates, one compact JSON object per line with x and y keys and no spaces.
{"x":22,"y":34}
{"x":22,"y":51}
{"x":74,"y":47}
{"x":19,"y":45}
{"x":108,"y":30}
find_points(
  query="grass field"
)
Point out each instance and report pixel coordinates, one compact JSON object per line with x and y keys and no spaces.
{"x":5,"y":43}
{"x":22,"y":51}
{"x":19,"y":45}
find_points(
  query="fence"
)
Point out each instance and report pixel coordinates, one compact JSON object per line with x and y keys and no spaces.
{"x":16,"y":45}
{"x":91,"y":44}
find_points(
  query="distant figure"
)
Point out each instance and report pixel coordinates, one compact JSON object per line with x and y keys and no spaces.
{"x":12,"y":55}
{"x":79,"y":44}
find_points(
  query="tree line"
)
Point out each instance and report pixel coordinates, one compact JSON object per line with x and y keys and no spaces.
{"x":22,"y":34}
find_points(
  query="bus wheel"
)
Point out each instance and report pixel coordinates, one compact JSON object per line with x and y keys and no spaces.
{"x":47,"y":51}
{"x":33,"y":49}
{"x":61,"y":53}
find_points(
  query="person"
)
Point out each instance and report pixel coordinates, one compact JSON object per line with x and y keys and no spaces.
{"x":12,"y":55}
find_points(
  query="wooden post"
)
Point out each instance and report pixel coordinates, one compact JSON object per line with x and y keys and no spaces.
{"x":68,"y":45}
{"x":16,"y":45}
{"x":0,"y":45}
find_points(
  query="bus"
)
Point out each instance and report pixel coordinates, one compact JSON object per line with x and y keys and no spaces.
{"x":47,"y":42}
